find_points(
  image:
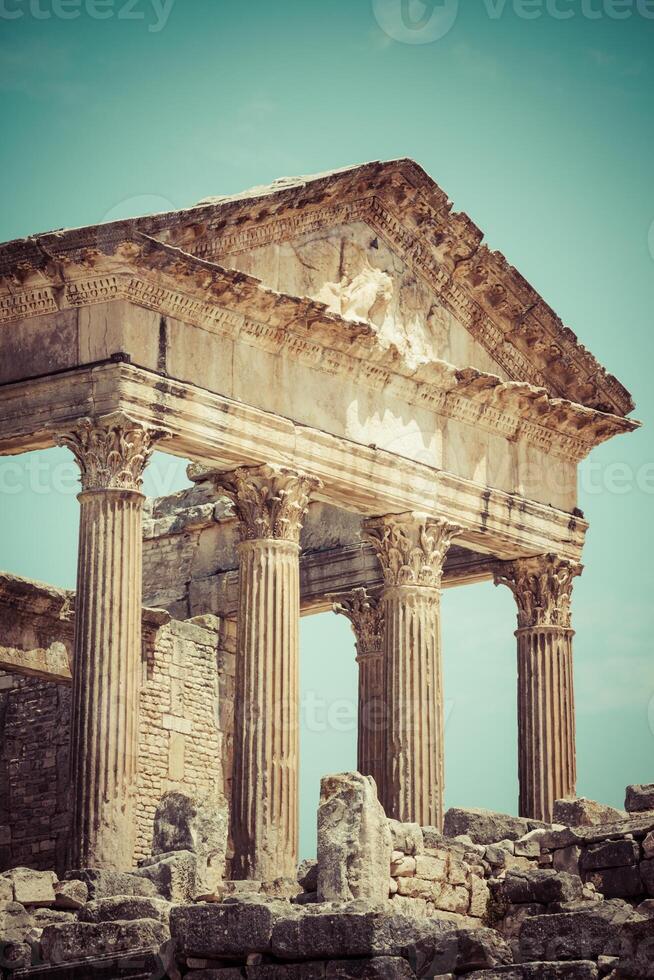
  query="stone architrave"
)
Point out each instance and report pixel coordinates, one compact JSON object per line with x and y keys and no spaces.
{"x":112,"y":453}
{"x":542,"y":587}
{"x":412,"y":548}
{"x":366,"y":614}
{"x":270,"y":503}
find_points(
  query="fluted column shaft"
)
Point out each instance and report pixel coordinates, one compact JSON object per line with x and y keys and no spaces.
{"x":412,"y":549}
{"x":266,"y":748}
{"x":107,"y":645}
{"x":366,"y":616}
{"x":270,"y":503}
{"x":542,"y":587}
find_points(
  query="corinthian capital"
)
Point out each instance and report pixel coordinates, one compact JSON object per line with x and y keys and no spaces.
{"x":270,"y":501}
{"x":542,"y":587}
{"x":366,"y":615}
{"x":410,"y":547}
{"x":112,"y":452}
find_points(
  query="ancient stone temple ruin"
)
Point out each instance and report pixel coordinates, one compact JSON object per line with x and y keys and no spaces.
{"x":376,"y":407}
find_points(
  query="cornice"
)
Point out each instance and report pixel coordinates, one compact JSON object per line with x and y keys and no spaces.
{"x":172,"y":282}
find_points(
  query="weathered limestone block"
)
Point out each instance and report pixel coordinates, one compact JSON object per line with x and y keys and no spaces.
{"x":458,"y":951}
{"x":625,"y":882}
{"x":577,"y":970}
{"x":540,"y":885}
{"x":71,"y":894}
{"x":78,"y":940}
{"x":637,"y":949}
{"x":363,"y":968}
{"x":15,"y":955}
{"x":639,"y":798}
{"x":407,"y":837}
{"x":451,"y":898}
{"x":415,"y":888}
{"x":232,"y":928}
{"x":104,"y":883}
{"x":647,"y":875}
{"x":183,"y":823}
{"x":431,"y":868}
{"x":173,"y":876}
{"x":354,"y":840}
{"x":15,"y":922}
{"x":124,"y":907}
{"x":352,"y":931}
{"x":479,"y":897}
{"x":567,"y":859}
{"x":32,"y":887}
{"x":648,"y":845}
{"x":582,"y":812}
{"x":609,"y":854}
{"x":575,"y":935}
{"x":486,"y":826}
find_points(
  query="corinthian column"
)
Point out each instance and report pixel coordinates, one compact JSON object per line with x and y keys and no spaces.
{"x":366,"y":615}
{"x":547,"y":770}
{"x":412,"y":549}
{"x":112,"y":454}
{"x":270,"y":503}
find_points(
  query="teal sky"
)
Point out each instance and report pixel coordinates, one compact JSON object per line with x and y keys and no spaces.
{"x":539,"y":127}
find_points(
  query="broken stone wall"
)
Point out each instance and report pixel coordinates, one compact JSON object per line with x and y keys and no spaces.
{"x":186,"y":723}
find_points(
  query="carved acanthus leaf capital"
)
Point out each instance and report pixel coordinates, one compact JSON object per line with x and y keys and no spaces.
{"x":366,"y":614}
{"x":542,"y":587}
{"x":270,"y":501}
{"x":111,"y":452}
{"x":411,"y":547}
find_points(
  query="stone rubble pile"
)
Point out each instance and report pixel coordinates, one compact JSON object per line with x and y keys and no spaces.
{"x":384,"y":901}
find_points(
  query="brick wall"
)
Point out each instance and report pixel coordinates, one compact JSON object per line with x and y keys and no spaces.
{"x":185,"y":724}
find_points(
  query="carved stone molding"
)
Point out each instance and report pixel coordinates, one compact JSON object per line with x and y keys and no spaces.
{"x":366,"y":614}
{"x":411,"y":547}
{"x":270,"y":501}
{"x":112,"y":453}
{"x":542,"y":587}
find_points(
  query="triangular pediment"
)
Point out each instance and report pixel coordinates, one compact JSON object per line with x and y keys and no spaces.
{"x":520,"y":336}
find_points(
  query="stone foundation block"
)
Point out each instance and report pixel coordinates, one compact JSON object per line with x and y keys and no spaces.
{"x":575,"y":935}
{"x":351,"y":932}
{"x":458,"y":951}
{"x":104,"y":884}
{"x":79,"y":940}
{"x":375,"y":968}
{"x":430,"y":868}
{"x":125,"y":907}
{"x":485,"y":826}
{"x":578,"y":970}
{"x":229,"y":929}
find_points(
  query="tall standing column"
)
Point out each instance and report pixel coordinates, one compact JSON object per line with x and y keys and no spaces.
{"x":547,"y":771}
{"x":112,"y":454}
{"x":412,"y":549}
{"x":366,"y":615}
{"x":270,"y":503}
